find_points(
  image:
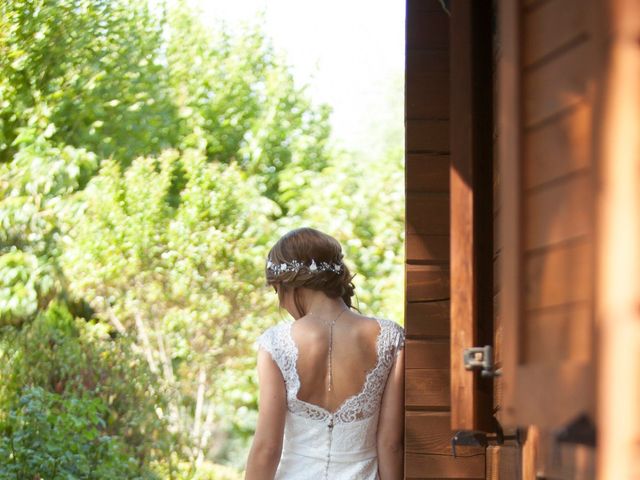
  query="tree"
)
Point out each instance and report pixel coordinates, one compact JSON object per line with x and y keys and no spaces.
{"x":89,"y":73}
{"x":238,"y":101}
{"x":184,"y":281}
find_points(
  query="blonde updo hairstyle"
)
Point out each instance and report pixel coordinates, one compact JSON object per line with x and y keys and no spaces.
{"x":304,"y":245}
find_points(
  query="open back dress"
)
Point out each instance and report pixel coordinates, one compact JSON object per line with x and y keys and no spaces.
{"x":338,"y":445}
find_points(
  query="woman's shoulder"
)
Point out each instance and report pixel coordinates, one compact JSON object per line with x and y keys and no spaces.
{"x":392,"y":333}
{"x":272,"y":335}
{"x":390,"y":324}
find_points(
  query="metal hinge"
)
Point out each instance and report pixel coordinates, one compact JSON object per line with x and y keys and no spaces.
{"x":481,"y":358}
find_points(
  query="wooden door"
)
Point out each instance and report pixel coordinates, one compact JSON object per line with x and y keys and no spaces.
{"x":546,"y":220}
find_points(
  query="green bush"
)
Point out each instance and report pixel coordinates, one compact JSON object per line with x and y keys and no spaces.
{"x":75,"y":402}
{"x":47,"y":435}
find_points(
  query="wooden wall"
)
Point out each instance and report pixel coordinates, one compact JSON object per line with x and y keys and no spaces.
{"x":427,"y":398}
{"x":545,"y":256}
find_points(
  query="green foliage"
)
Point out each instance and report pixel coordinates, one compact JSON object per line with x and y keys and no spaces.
{"x":202,"y":470}
{"x":33,"y":190}
{"x":86,"y":73}
{"x":184,"y":280}
{"x":48,"y":436}
{"x":238,"y":101}
{"x":147,"y":164}
{"x":76,"y":402}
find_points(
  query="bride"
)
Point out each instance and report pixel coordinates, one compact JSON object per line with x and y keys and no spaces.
{"x":331,"y":381}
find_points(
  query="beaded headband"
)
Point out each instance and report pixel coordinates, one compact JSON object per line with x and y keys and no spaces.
{"x":296,"y":266}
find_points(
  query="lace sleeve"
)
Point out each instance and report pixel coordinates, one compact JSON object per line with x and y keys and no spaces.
{"x":266,"y":342}
{"x":399,"y":339}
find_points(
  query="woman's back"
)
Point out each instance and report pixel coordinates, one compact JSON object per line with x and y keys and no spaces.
{"x":353,"y":356}
{"x":332,"y":434}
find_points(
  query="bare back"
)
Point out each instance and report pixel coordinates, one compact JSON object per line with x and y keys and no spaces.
{"x":354,"y":355}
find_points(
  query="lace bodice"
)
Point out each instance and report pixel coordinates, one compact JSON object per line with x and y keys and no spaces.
{"x":278,"y":341}
{"x":338,"y":445}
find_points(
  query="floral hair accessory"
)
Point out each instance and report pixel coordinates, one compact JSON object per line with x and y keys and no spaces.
{"x":296,"y":266}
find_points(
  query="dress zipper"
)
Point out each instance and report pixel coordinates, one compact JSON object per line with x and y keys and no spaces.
{"x":330,"y":431}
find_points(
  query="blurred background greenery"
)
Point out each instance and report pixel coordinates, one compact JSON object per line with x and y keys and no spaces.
{"x":147,"y":164}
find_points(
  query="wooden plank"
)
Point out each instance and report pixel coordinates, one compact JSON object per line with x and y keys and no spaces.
{"x":423,"y":466}
{"x":559,"y":212}
{"x":430,"y":433}
{"x":427,"y":283}
{"x":503,"y":462}
{"x":498,"y":330}
{"x":463,"y":238}
{"x":555,"y":335}
{"x":427,"y":354}
{"x":424,"y":61}
{"x":427,"y":319}
{"x":424,"y":172}
{"x":559,"y":276}
{"x":579,"y":461}
{"x":427,"y":388}
{"x":427,"y":96}
{"x":509,"y":126}
{"x":559,"y":147}
{"x":424,"y":136}
{"x":530,"y":467}
{"x":427,"y":29}
{"x":618,"y":246}
{"x":496,"y":271}
{"x":427,"y":213}
{"x":428,"y":449}
{"x":557,"y":85}
{"x":552,"y":26}
{"x":427,"y":249}
{"x":560,"y":393}
{"x":553,"y":460}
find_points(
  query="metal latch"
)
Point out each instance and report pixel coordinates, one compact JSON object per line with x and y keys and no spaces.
{"x":470,"y":438}
{"x":481,"y":358}
{"x":479,"y":438}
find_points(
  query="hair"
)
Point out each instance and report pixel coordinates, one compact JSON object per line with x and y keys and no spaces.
{"x":304,"y":244}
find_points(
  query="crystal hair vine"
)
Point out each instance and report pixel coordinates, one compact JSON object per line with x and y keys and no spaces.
{"x":296,"y":266}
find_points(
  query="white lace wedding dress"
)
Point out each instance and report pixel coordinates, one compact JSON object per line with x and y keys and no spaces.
{"x":319,"y":444}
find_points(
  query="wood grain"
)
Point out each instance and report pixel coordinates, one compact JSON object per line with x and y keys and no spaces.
{"x":552,"y":396}
{"x":427,"y":173}
{"x":419,"y":61}
{"x":427,"y":29}
{"x":559,"y":212}
{"x":509,"y":144}
{"x":559,"y":275}
{"x":427,"y":136}
{"x":553,"y":25}
{"x":430,"y":319}
{"x":427,"y":96}
{"x":427,"y":213}
{"x":427,"y":354}
{"x":557,"y":85}
{"x":427,"y":249}
{"x":427,"y":388}
{"x":559,"y":147}
{"x":555,"y":335}
{"x":427,"y":283}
